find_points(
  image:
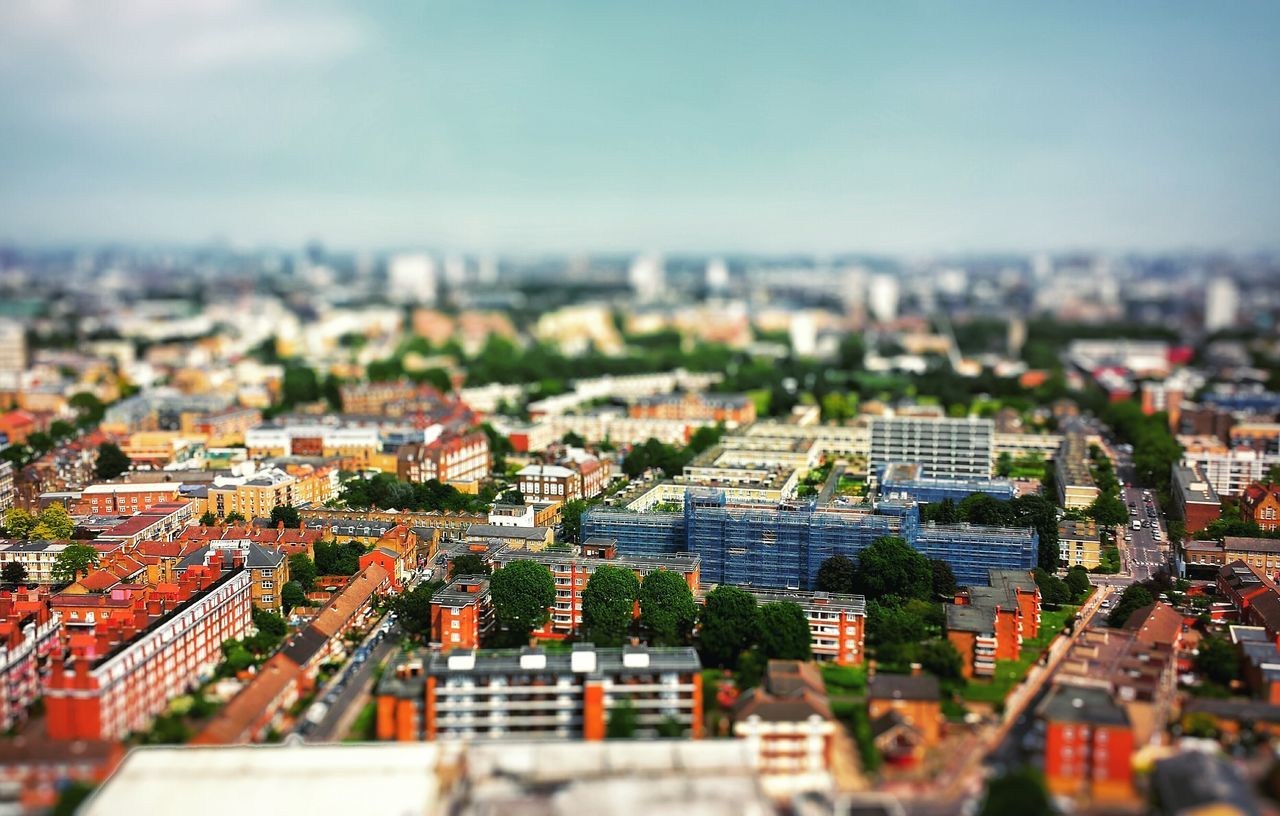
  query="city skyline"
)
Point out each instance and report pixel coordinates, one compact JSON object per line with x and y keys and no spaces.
{"x":570,"y":127}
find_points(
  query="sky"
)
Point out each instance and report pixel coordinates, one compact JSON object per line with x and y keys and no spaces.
{"x":669,"y":126}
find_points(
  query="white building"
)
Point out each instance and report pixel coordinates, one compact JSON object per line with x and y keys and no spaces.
{"x":411,"y":278}
{"x":882,"y":297}
{"x":1221,"y":303}
{"x":647,"y":277}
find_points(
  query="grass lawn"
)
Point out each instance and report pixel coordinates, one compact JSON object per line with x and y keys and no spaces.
{"x":1010,"y":672}
{"x":844,"y":680}
{"x":364,"y":727}
{"x":854,"y":717}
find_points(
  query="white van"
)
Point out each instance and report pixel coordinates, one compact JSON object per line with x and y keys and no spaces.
{"x":1137,"y":525}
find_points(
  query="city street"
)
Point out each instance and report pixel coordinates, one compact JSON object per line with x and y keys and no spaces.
{"x":1143,"y":555}
{"x":355,"y":686}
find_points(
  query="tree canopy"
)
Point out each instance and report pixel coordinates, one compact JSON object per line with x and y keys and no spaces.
{"x":1132,"y":599}
{"x":111,"y":462}
{"x":413,"y":608}
{"x":286,"y":514}
{"x":523,"y":593}
{"x":944,"y":579}
{"x":303,"y":570}
{"x":53,"y":523}
{"x":729,"y":624}
{"x":837,"y":574}
{"x":667,"y":609}
{"x":384,"y":491}
{"x":608,"y":604}
{"x":468,"y":564}
{"x":73,"y":562}
{"x":889,"y":566}
{"x":784,"y":631}
{"x":333,"y":558}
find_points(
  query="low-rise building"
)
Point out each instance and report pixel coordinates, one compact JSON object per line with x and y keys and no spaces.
{"x":730,"y":409}
{"x":906,"y":714}
{"x":1194,"y":499}
{"x":531,"y":694}
{"x":267,"y":567}
{"x":115,"y":498}
{"x":1089,"y":743}
{"x":1260,"y":503}
{"x":1079,"y":543}
{"x":989,"y":623}
{"x":451,"y":458}
{"x":533,"y":539}
{"x":462,"y":613}
{"x":788,"y":724}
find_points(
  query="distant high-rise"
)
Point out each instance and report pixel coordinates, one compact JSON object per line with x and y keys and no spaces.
{"x":944,"y":448}
{"x":855,"y":289}
{"x":13,"y":348}
{"x":647,"y":277}
{"x":1016,"y":336}
{"x":883,"y":297}
{"x":1221,"y":302}
{"x":412,"y":278}
{"x":455,"y":270}
{"x":804,"y":334}
{"x":717,"y":276}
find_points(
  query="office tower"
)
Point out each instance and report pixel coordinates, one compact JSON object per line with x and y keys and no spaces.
{"x":1221,"y":301}
{"x":855,"y":289}
{"x":883,"y":297}
{"x":1016,"y":336}
{"x":646,"y":277}
{"x":944,"y":448}
{"x":411,"y":278}
{"x":804,"y":334}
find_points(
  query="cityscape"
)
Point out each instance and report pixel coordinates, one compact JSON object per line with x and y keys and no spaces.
{"x":540,"y":497}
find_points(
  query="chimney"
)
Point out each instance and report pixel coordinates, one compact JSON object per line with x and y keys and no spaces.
{"x":916,"y":669}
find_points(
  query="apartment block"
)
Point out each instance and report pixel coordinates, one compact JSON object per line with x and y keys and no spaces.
{"x":452,"y":458}
{"x":36,"y":557}
{"x":1079,"y":543}
{"x":1194,"y":499}
{"x":8,"y":491}
{"x":1229,"y":471}
{"x":531,"y":694}
{"x":114,"y":499}
{"x":906,"y":482}
{"x":1089,"y":743}
{"x":266,"y":567}
{"x":28,"y":635}
{"x":130,"y":669}
{"x":255,"y":495}
{"x":837,"y":623}
{"x":788,"y":724}
{"x":1076,"y":489}
{"x":730,"y":409}
{"x":944,"y":448}
{"x":462,"y":613}
{"x":989,"y":623}
{"x":358,"y":444}
{"x":224,"y":428}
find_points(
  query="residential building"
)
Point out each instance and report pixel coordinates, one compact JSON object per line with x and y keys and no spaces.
{"x":137,"y":664}
{"x":1194,"y":499}
{"x":906,"y":714}
{"x":396,"y":552}
{"x":266,"y":566}
{"x":1195,"y":783}
{"x":1089,"y":743}
{"x":904,"y":482}
{"x":549,"y":483}
{"x":837,"y":623}
{"x":257,"y":493}
{"x":223,"y":428}
{"x":1229,"y":471}
{"x":986,"y":624}
{"x":493,"y":694}
{"x":8,"y":492}
{"x":1076,"y":490}
{"x":1263,"y":553}
{"x":1260,"y":503}
{"x":356,"y":444}
{"x":788,"y":724}
{"x":462,"y":613}
{"x":1079,"y":543}
{"x":944,"y":448}
{"x":729,"y":409}
{"x":28,"y":635}
{"x":451,"y":458}
{"x":532,"y":539}
{"x":36,"y":557}
{"x":117,"y":498}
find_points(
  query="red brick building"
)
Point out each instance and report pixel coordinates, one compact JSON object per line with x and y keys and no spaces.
{"x":451,"y":458}
{"x":1194,"y":499}
{"x":462,"y":613}
{"x":1260,"y":503}
{"x":731,"y":409}
{"x":1089,"y":744}
{"x":28,"y":635}
{"x":127,"y":497}
{"x":987,"y":624}
{"x":788,"y":724}
{"x":837,"y":623}
{"x":118,"y":678}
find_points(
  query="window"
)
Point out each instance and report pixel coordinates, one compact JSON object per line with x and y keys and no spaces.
{"x":455,"y":625}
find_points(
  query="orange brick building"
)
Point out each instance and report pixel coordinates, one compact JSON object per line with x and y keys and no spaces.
{"x":1088,"y":744}
{"x":462,"y":613}
{"x":128,"y":497}
{"x":906,"y":714}
{"x":837,"y":623}
{"x":987,"y":624}
{"x":731,"y":409}
{"x":1260,"y":503}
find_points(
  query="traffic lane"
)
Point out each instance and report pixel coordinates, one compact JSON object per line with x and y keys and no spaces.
{"x":352,"y":690}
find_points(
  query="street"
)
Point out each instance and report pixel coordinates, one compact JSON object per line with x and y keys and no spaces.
{"x":349,"y":700}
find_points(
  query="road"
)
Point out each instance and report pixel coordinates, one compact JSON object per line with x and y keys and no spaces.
{"x":1144,"y":556}
{"x":355,"y":686}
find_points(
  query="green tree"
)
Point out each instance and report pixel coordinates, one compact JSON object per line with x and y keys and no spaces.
{"x":236,"y":657}
{"x":944,"y":579}
{"x":208,"y":519}
{"x":18,"y":455}
{"x":413,"y":608}
{"x":235,"y":517}
{"x":1004,"y":464}
{"x":89,"y":409}
{"x":667,"y":609}
{"x":1020,"y":791}
{"x":1108,"y":510}
{"x":608,"y":605}
{"x":13,"y":573}
{"x":837,"y":574}
{"x":1217,"y":660}
{"x":729,"y":624}
{"x":61,"y":430}
{"x":71,"y":797}
{"x":293,"y":596}
{"x":299,"y":385}
{"x":523,"y":593}
{"x":74,"y":561}
{"x":571,"y":519}
{"x":623,"y":721}
{"x":270,"y":623}
{"x":40,"y":442}
{"x":18,"y":522}
{"x":303,"y":570}
{"x":1053,"y":590}
{"x":1132,"y":599}
{"x":53,"y":523}
{"x":574,"y":440}
{"x":112,"y":461}
{"x":889,"y":566}
{"x":286,"y":514}
{"x":1078,"y":582}
{"x":468,"y":564}
{"x":891,"y":624}
{"x":784,"y":631}
{"x":940,"y":658}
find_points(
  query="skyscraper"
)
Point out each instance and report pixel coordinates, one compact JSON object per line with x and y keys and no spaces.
{"x":1221,"y":301}
{"x":647,"y":277}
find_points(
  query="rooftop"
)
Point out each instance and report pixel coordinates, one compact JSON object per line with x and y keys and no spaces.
{"x":886,"y":686}
{"x":1082,"y":705}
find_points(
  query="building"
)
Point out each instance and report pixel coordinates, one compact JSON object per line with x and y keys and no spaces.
{"x":266,"y":566}
{"x":906,"y":714}
{"x":223,"y":428}
{"x":1260,"y":503}
{"x":1076,"y":490}
{"x":257,"y":493}
{"x":396,"y":552}
{"x":113,"y":499}
{"x":462,"y":613}
{"x":357,"y":444}
{"x":549,"y":483}
{"x":8,"y":491}
{"x":730,"y":409}
{"x":788,"y":725}
{"x":28,"y":635}
{"x":493,"y":694}
{"x":837,"y":623}
{"x":1194,"y":783}
{"x":411,"y":278}
{"x":1221,"y":303}
{"x":451,"y":458}
{"x":133,"y":667}
{"x":1088,"y":743}
{"x":986,"y":624}
{"x":1079,"y":543}
{"x":36,"y":557}
{"x":1229,"y":471}
{"x":1194,"y":499}
{"x":903,"y":482}
{"x":944,"y":448}
{"x":572,"y":570}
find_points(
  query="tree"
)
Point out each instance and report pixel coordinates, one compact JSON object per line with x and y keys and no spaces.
{"x":112,"y":461}
{"x":667,"y":609}
{"x":286,"y":514}
{"x":1217,"y":660}
{"x":571,"y":519}
{"x":1019,"y":791}
{"x":608,"y":605}
{"x":293,"y":596}
{"x":890,"y":624}
{"x":235,"y":517}
{"x":1078,"y":582}
{"x":1108,"y":510}
{"x":270,"y":623}
{"x":17,"y":454}
{"x":303,"y":570}
{"x":1004,"y":464}
{"x":837,"y":574}
{"x":940,"y":658}
{"x":623,"y":721}
{"x":19,"y":522}
{"x":89,"y":409}
{"x":53,"y":523}
{"x":890,"y":567}
{"x":523,"y":593}
{"x":574,"y":440}
{"x":71,"y":797}
{"x":944,"y":579}
{"x":413,"y":608}
{"x":208,"y":519}
{"x":13,"y":573}
{"x":333,"y":558}
{"x":468,"y":564}
{"x":784,"y":631}
{"x":74,"y":561}
{"x":40,"y":442}
{"x":728,"y":625}
{"x":1053,"y":590}
{"x":947,"y":512}
{"x":1132,"y":599}
{"x":61,"y":430}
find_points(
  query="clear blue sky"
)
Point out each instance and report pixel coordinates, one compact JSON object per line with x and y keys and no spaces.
{"x":805,"y":126}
